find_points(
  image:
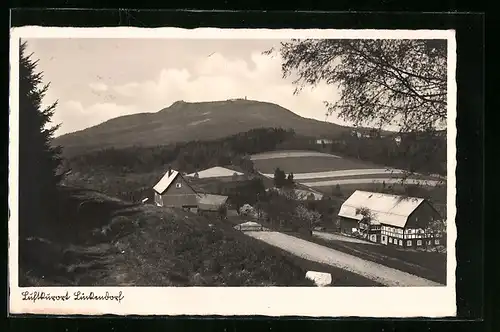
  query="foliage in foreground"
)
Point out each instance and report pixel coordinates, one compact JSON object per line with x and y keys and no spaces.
{"x":38,"y":160}
{"x":382,"y":83}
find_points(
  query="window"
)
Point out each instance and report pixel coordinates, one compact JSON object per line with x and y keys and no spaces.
{"x":419,"y":242}
{"x":401,"y":242}
{"x":390,"y":240}
{"x":408,"y":243}
{"x":178,"y":185}
{"x":436,"y":241}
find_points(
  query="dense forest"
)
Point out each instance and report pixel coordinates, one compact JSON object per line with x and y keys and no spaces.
{"x":186,"y":157}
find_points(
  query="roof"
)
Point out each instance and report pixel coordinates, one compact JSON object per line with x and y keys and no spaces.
{"x":215,"y":172}
{"x":303,"y":187}
{"x":165,"y":182}
{"x":210,"y":201}
{"x":303,"y":194}
{"x":387,"y":209}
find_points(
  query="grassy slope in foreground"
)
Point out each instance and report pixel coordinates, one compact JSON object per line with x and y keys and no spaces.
{"x":149,"y":246}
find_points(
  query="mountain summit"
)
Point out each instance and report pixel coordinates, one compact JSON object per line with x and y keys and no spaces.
{"x":186,"y":121}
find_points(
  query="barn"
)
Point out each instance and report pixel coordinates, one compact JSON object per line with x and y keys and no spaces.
{"x":174,"y":191}
{"x":390,"y":219}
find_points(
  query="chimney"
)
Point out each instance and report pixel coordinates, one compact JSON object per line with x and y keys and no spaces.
{"x":169,"y":170}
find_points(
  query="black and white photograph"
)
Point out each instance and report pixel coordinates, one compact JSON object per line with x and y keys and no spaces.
{"x":220,"y":171}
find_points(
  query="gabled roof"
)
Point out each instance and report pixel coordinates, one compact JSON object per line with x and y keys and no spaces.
{"x":167,"y":180}
{"x":387,"y":209}
{"x":215,"y":172}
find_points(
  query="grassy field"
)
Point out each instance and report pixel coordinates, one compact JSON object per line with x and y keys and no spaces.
{"x":108,"y":242}
{"x":428,"y":265}
{"x":309,"y":164}
{"x":323,"y":172}
{"x":367,"y":180}
{"x":375,"y":174}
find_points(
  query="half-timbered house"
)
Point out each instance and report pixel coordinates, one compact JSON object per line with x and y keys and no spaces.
{"x":394,"y":220}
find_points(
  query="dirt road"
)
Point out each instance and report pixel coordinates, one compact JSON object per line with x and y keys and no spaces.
{"x":315,"y":252}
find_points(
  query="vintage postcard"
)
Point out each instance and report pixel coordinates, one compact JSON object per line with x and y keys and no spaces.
{"x":232,"y":172}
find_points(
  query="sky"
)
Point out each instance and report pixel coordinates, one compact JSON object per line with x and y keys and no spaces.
{"x":95,"y":80}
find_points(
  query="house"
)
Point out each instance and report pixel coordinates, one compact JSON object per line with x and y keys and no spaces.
{"x":302,"y":193}
{"x":174,"y":191}
{"x":324,"y":141}
{"x":391,"y":219}
{"x":306,"y":193}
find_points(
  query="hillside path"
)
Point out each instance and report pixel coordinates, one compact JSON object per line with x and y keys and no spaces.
{"x":321,"y":254}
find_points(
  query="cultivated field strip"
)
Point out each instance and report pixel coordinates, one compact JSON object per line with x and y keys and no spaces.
{"x":289,"y":154}
{"x":321,"y":254}
{"x":349,"y":172}
{"x":329,"y":183}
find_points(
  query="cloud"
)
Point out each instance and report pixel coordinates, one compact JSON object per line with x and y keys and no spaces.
{"x":215,"y":77}
{"x":98,"y":87}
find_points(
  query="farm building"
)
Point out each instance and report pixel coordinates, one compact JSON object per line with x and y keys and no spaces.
{"x":324,"y":141}
{"x":209,"y":204}
{"x":301,"y":194}
{"x":219,"y":173}
{"x":174,"y":191}
{"x":390,"y":219}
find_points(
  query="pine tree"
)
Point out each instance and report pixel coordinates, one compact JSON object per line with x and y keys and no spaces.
{"x":279,"y":178}
{"x":337,"y":191}
{"x":38,"y":159}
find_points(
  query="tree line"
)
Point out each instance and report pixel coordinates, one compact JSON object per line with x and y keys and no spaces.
{"x":186,"y":157}
{"x":423,"y":152}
